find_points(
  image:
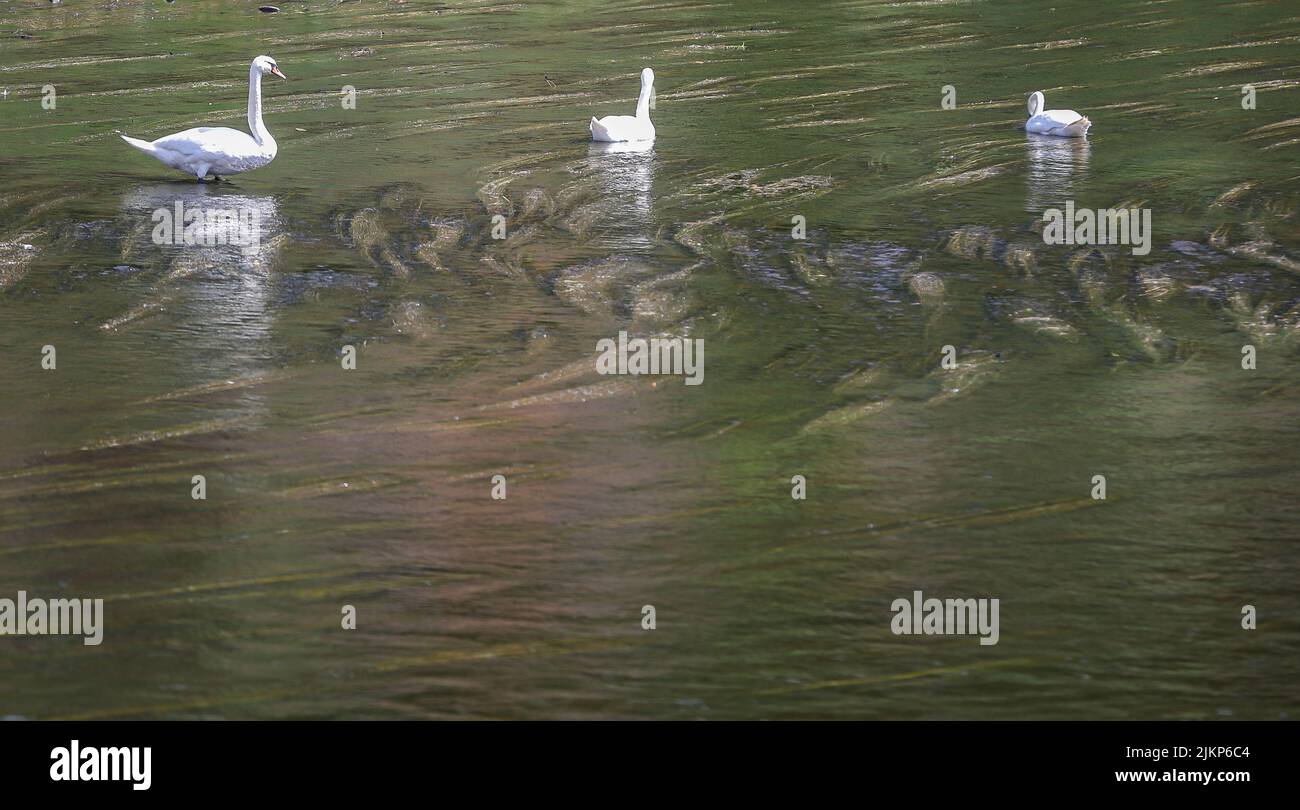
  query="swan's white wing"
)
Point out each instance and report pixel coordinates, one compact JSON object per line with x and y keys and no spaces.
{"x":621,"y":128}
{"x":613,"y":127}
{"x":219,"y":150}
{"x":212,"y":142}
{"x":1060,"y":118}
{"x":1059,"y":122}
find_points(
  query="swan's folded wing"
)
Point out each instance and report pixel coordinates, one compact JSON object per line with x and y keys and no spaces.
{"x":206,"y":141}
{"x":1062,"y":118}
{"x":616,"y":128}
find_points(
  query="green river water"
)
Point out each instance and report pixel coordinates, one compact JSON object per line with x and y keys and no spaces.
{"x":475,"y":357}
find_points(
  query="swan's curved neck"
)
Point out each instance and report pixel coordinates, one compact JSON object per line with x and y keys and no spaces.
{"x":643,"y":102}
{"x":260,"y":133}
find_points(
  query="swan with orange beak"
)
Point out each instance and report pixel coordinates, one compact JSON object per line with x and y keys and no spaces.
{"x":220,"y":151}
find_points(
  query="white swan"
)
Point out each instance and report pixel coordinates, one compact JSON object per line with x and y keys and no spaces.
{"x":613,"y":128}
{"x":1065,"y":123}
{"x":220,"y":150}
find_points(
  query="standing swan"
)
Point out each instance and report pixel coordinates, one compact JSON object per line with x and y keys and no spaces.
{"x":629,"y":127}
{"x":1065,"y":123}
{"x":220,"y":150}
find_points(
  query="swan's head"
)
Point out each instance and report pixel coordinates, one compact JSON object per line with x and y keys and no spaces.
{"x":647,"y":77}
{"x":1036,"y":103}
{"x":265,"y":65}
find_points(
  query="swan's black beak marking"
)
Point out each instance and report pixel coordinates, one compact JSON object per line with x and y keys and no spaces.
{"x":276,"y":70}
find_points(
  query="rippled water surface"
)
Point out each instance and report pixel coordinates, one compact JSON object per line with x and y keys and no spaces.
{"x":475,"y":357}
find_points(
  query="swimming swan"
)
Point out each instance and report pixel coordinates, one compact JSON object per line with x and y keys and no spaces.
{"x":220,"y":150}
{"x":1065,"y":123}
{"x":637,"y":127}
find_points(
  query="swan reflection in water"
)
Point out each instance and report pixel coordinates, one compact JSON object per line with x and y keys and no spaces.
{"x":1055,"y":166}
{"x":216,"y":248}
{"x":624,"y":174}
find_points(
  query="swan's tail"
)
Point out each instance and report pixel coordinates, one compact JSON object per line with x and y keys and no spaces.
{"x":598,"y":131}
{"x":1078,"y":129}
{"x":143,"y":146}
